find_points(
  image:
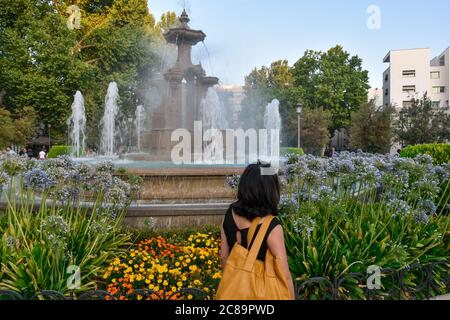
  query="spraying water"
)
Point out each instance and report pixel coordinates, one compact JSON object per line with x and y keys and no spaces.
{"x":140,"y":120}
{"x":77,"y":125}
{"x":272,"y":122}
{"x":212,"y":110}
{"x":108,"y":122}
{"x":213,"y":119}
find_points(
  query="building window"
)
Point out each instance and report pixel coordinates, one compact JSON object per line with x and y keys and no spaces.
{"x":442,"y":61}
{"x":435,"y":75}
{"x":409,"y":73}
{"x":438,"y":89}
{"x":435,"y":104}
{"x":386,"y":78}
{"x":386,"y":92}
{"x":409,"y":89}
{"x":407,"y":104}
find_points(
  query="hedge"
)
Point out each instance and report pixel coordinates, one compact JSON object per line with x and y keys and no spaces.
{"x":292,"y":151}
{"x":57,"y":151}
{"x":439,"y":152}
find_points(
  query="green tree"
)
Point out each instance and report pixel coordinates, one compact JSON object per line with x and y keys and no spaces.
{"x":6,"y":128}
{"x":262,"y":86}
{"x":421,"y":123}
{"x":334,"y":80}
{"x":168,"y":20}
{"x":314,"y":130}
{"x":371,"y":128}
{"x":24,"y":126}
{"x":35,"y":67}
{"x":43,"y":62}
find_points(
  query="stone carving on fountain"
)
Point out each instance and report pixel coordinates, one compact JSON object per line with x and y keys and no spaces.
{"x":183,"y":87}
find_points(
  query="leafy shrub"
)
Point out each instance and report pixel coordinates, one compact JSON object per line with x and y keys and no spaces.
{"x":439,"y":152}
{"x":292,"y":151}
{"x":354,"y":210}
{"x":37,"y":248}
{"x":57,"y":151}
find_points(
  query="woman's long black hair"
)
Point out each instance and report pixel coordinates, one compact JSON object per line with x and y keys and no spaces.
{"x":258,"y":194}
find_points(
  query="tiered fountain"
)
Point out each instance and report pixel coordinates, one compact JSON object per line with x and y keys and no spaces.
{"x":177,"y":195}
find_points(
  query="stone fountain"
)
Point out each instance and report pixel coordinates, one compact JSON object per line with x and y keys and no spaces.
{"x":184,"y":86}
{"x":176,"y":195}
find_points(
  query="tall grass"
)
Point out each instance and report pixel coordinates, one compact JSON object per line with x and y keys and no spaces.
{"x":44,"y":233}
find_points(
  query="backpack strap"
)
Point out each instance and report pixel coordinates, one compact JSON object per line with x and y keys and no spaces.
{"x":251,"y":231}
{"x":253,"y":254}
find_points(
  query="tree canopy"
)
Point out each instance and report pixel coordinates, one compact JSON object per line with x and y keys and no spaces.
{"x":43,"y":62}
{"x":421,"y":123}
{"x":371,"y":128}
{"x":334,"y":81}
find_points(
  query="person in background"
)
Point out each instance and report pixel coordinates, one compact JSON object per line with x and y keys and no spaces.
{"x":42,"y":154}
{"x":10,"y":151}
{"x":22,"y":152}
{"x":30,"y":153}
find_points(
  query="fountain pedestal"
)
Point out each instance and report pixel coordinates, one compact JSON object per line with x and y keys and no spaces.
{"x":185,"y":85}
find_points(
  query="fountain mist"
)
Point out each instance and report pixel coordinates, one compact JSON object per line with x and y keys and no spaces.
{"x":212,"y":111}
{"x":77,"y":125}
{"x":107,"y":146}
{"x":140,"y":121}
{"x":272,"y":121}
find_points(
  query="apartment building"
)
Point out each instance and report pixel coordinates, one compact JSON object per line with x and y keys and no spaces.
{"x":412,"y":73}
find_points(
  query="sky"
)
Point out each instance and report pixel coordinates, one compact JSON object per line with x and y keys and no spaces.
{"x":244,"y":34}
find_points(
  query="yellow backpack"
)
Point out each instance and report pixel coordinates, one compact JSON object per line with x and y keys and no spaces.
{"x":246,"y":278}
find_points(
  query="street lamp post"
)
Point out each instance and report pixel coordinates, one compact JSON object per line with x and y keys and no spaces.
{"x":299,"y":112}
{"x":49,"y":137}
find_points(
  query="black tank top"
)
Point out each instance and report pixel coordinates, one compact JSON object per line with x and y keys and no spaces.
{"x":230,"y":228}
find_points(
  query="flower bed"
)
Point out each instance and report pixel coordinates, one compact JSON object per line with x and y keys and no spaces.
{"x":165,"y":267}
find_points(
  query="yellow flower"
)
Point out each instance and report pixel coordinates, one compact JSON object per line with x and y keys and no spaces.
{"x":147,"y":281}
{"x":165,"y":283}
{"x":193,"y":268}
{"x":179,"y":284}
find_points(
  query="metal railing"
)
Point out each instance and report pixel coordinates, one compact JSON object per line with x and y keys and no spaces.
{"x":394,"y":286}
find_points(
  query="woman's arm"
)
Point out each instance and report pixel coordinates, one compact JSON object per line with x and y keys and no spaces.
{"x":224,"y":250}
{"x":277,"y":247}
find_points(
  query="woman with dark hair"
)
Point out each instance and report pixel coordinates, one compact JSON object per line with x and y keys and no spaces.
{"x":257,"y":199}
